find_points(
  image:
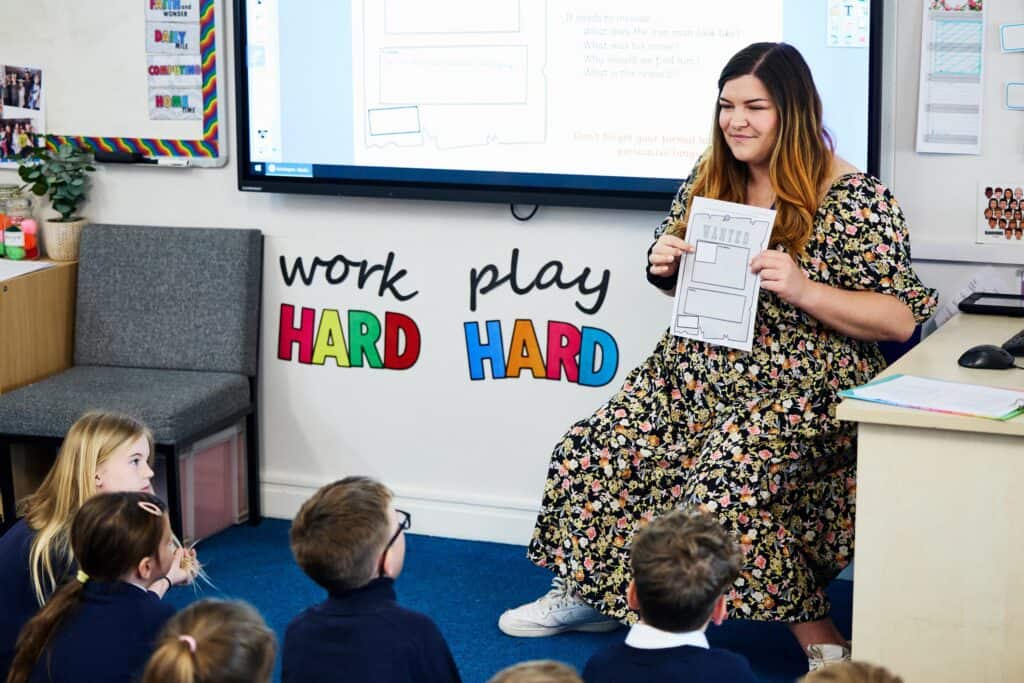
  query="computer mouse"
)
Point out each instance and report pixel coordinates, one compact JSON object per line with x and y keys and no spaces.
{"x":986,"y":357}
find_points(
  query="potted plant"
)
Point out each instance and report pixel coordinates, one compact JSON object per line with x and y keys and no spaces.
{"x":61,"y":175}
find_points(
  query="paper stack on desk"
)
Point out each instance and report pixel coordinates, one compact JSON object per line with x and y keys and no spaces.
{"x":11,"y":269}
{"x":940,"y":396}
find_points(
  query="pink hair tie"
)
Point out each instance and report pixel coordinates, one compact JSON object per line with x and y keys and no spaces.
{"x":190,"y":641}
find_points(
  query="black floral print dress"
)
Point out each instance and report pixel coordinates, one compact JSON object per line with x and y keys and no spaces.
{"x":751,"y":437}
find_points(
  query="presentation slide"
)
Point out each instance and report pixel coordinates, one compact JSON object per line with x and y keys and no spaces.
{"x":591,"y":87}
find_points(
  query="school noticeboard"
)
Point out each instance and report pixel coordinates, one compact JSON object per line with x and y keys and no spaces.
{"x":449,"y":375}
{"x":141,"y":76}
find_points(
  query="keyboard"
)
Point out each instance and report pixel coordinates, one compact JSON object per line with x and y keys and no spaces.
{"x":1015,"y":344}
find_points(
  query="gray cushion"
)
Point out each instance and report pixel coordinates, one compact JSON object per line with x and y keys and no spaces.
{"x":173,"y":298}
{"x":175,"y":404}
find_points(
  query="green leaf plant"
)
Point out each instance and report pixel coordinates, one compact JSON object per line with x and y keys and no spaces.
{"x":59,"y":174}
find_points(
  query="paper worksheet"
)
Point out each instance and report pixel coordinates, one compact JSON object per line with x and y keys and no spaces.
{"x":11,"y":269}
{"x":941,"y":396}
{"x":950,"y":92}
{"x":716,"y":300}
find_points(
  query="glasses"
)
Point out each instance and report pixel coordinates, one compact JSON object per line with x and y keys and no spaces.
{"x":404,"y":524}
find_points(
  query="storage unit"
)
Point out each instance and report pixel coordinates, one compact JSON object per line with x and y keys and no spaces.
{"x":37,"y":319}
{"x":213,"y":484}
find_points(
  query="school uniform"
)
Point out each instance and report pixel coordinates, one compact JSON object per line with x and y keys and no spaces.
{"x":107,"y":638}
{"x":17,"y":596}
{"x":365,"y":635}
{"x":649,"y":654}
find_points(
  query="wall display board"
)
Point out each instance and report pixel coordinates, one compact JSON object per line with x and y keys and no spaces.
{"x":142,"y":78}
{"x":944,"y":195}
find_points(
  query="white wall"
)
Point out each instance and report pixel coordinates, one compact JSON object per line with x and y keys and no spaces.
{"x":937,"y":191}
{"x":460,"y":487}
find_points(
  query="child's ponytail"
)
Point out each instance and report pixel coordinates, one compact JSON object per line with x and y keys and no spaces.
{"x":111,"y":533}
{"x":173,"y":661}
{"x":213,"y":641}
{"x":37,"y":632}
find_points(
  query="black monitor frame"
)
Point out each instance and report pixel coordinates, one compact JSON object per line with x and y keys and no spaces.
{"x":500,"y":187}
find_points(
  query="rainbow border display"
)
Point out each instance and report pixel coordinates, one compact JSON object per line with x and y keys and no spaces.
{"x":206,"y":148}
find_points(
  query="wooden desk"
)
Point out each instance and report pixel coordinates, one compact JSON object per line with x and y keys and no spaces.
{"x":37,"y":323}
{"x":939,"y":572}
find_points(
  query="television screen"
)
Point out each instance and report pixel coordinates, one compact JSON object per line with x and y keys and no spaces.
{"x":560,"y":102}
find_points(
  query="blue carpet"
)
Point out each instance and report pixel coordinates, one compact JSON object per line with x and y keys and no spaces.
{"x":463,"y":586}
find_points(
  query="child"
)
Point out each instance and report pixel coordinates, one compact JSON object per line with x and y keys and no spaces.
{"x":682,"y":565}
{"x":101,"y":625}
{"x":349,"y":539}
{"x":102,"y":452}
{"x":538,"y":671}
{"x":851,"y":672}
{"x":213,"y":641}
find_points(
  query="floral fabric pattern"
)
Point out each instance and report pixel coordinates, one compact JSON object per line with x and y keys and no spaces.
{"x":750,"y":437}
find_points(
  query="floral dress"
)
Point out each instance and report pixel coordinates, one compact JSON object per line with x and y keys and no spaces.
{"x":751,"y":437}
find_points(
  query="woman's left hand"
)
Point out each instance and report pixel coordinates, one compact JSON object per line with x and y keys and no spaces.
{"x":780,"y":274}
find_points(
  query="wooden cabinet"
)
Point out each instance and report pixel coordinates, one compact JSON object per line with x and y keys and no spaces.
{"x":37,"y":324}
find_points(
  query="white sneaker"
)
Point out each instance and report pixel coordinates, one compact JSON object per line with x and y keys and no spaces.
{"x":820,"y":656}
{"x":558,"y":611}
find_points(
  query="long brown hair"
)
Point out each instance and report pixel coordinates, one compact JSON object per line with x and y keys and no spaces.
{"x":213,"y":641}
{"x":110,"y":535}
{"x":801,"y":160}
{"x":71,"y":482}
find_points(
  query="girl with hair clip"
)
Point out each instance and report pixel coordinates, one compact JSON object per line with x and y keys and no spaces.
{"x":101,"y":625}
{"x":102,"y":452}
{"x":213,"y":641}
{"x":750,"y":437}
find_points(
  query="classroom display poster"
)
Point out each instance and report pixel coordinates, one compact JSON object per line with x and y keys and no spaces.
{"x":1000,"y":214}
{"x":173,"y":63}
{"x":445,"y":369}
{"x":950,"y":92}
{"x":22,"y":113}
{"x":848,"y":23}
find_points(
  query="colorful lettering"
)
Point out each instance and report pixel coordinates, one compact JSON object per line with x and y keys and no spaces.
{"x":563,"y":347}
{"x":588,"y":356}
{"x":330,"y":340}
{"x":363,"y":334}
{"x":592,"y":340}
{"x":397,"y":325}
{"x":323,"y":339}
{"x":288,"y":334}
{"x":477,"y":351}
{"x":524,"y":351}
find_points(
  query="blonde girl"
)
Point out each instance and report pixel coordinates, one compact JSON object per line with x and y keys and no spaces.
{"x":102,"y":452}
{"x":213,"y":641}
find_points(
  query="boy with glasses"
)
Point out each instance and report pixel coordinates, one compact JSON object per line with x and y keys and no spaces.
{"x":683,"y":565}
{"x":349,"y":539}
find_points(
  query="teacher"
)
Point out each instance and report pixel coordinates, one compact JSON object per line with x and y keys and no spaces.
{"x":750,"y":437}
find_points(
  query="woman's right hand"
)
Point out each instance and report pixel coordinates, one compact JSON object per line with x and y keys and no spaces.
{"x":665,"y":255}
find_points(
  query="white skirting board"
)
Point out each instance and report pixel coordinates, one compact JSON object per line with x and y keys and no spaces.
{"x":434,"y":513}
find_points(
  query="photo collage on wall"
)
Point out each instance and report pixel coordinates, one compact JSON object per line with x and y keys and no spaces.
{"x":21,"y":110}
{"x":1001,"y":213}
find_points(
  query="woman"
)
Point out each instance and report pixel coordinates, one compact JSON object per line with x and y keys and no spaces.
{"x":752,"y":436}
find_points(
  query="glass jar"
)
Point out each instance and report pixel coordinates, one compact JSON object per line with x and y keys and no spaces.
{"x":17,"y":241}
{"x":19,"y":207}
